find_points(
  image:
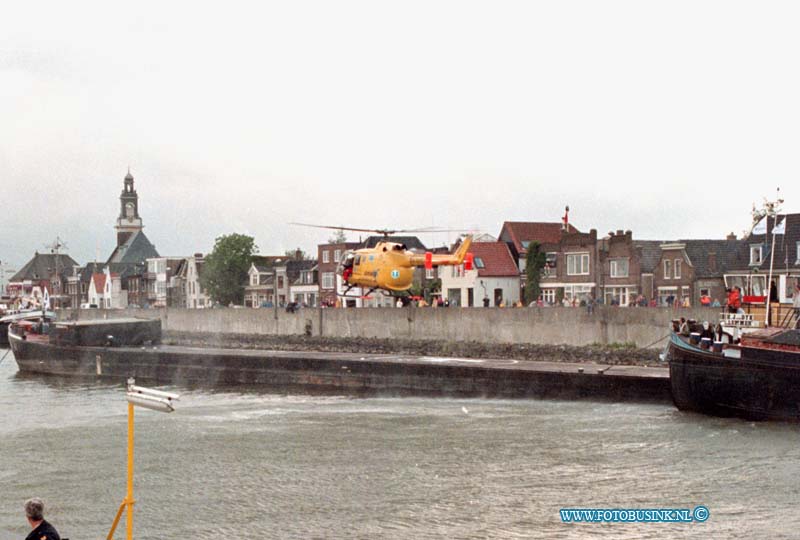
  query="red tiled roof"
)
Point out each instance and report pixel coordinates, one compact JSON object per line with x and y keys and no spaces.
{"x":496,"y":258}
{"x":526,"y":231}
{"x":100,"y":280}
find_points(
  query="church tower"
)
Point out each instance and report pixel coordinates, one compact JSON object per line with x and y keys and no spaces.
{"x":128,"y":222}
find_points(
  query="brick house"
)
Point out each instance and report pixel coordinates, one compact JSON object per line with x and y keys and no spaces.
{"x":572,"y":267}
{"x":330,"y":284}
{"x":628,"y":268}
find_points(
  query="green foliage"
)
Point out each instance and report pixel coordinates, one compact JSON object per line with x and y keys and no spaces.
{"x":338,"y":237}
{"x":225,"y":272}
{"x":534,"y":263}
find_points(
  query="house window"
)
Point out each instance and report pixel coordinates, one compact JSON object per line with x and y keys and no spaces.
{"x":280,"y":282}
{"x":619,"y":268}
{"x":337,"y":254}
{"x":667,"y":269}
{"x":326,"y":256}
{"x":327,"y":280}
{"x":755,"y":254}
{"x":678,"y":268}
{"x":548,"y":296}
{"x":797,"y":256}
{"x":550,"y":262}
{"x":478,"y":262}
{"x":253,"y":279}
{"x":430,"y":273}
{"x":577,"y":264}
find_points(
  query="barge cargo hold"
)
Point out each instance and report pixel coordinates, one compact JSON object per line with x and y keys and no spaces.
{"x":342,"y":373}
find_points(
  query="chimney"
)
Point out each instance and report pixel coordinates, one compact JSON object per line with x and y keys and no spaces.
{"x":298,"y":254}
{"x":198,"y":255}
{"x":731,"y":236}
{"x":619,"y":232}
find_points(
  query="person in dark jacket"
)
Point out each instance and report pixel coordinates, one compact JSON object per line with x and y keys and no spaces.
{"x":42,"y":530}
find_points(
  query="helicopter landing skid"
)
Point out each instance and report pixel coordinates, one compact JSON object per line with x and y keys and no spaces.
{"x":393,"y":294}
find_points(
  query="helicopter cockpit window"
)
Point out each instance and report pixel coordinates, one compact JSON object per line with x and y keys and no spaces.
{"x":348,"y":259}
{"x":358,"y":260}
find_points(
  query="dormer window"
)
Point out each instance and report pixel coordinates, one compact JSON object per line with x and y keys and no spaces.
{"x":755,"y":254}
{"x":797,"y":254}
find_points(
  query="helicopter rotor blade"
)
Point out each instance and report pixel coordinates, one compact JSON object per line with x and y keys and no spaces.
{"x":384,"y":232}
{"x":336,"y":228}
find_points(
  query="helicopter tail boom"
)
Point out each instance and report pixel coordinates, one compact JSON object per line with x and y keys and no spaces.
{"x":453,"y":259}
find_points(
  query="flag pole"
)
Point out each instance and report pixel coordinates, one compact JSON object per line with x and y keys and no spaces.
{"x":771,"y":261}
{"x":772,"y":208}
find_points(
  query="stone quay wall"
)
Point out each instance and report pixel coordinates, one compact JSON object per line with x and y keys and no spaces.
{"x":640,"y":327}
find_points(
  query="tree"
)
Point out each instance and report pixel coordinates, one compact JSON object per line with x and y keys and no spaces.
{"x":225,"y":272}
{"x":534,"y":263}
{"x":338,"y":237}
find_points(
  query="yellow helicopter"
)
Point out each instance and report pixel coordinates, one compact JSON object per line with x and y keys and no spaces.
{"x":389,"y":266}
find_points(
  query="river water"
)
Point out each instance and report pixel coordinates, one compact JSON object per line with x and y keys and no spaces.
{"x":254,"y":465}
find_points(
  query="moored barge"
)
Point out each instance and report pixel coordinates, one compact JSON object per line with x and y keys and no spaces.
{"x":109,"y":356}
{"x":757,"y":379}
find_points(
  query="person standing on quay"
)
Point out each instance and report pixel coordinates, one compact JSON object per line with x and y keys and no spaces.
{"x":42,"y":530}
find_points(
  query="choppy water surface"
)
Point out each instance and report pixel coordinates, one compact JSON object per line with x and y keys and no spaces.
{"x":245,"y":464}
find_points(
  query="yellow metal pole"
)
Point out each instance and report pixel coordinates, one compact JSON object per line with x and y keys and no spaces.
{"x":129,"y":496}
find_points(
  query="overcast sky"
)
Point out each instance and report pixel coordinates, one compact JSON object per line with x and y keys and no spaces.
{"x":669,"y":118}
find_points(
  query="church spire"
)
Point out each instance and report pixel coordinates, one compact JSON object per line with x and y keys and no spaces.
{"x":129,"y":222}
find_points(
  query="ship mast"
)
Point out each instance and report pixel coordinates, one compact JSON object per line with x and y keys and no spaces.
{"x":771,"y":208}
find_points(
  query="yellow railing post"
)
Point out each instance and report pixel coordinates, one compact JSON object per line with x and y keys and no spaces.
{"x":150,"y":399}
{"x":129,"y":496}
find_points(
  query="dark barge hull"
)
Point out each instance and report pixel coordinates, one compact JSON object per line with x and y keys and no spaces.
{"x":344,"y":373}
{"x":761,"y":385}
{"x":4,"y":334}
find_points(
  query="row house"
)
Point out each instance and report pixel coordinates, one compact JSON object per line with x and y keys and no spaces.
{"x":762,"y":250}
{"x":492,"y":282}
{"x":627,"y":268}
{"x":280,"y":280}
{"x":689,"y":269}
{"x":44,"y":271}
{"x":105,"y":290}
{"x":160,"y":271}
{"x":185,"y":289}
{"x":330,"y":282}
{"x":78,"y":282}
{"x":305,"y":288}
{"x":260,"y":288}
{"x":571,"y":268}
